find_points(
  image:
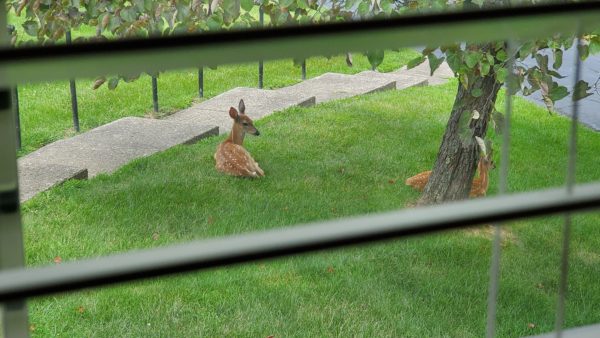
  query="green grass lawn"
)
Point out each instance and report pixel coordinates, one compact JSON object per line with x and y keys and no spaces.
{"x":46,"y":107}
{"x":337,"y":159}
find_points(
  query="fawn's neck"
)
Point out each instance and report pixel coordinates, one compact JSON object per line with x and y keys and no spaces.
{"x":237,"y":134}
{"x":483,"y":174}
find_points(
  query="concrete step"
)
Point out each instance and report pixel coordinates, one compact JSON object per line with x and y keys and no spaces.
{"x":403,"y":81}
{"x":108,"y":147}
{"x":333,"y":86}
{"x":440,"y":76}
{"x":259,"y":103}
{"x":35,"y":177}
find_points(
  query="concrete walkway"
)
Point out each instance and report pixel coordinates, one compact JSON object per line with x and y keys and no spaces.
{"x":107,"y":148}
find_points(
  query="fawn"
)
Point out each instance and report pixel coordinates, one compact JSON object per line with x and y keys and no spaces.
{"x":231,"y":158}
{"x":480,"y":184}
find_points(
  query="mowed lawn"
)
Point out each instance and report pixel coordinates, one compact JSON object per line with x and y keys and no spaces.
{"x":337,"y":159}
{"x":45,"y":108}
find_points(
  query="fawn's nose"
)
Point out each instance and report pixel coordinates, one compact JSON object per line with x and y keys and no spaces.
{"x":257,"y":132}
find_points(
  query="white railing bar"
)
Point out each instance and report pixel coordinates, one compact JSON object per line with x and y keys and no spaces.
{"x":128,"y":56}
{"x":13,"y":315}
{"x":24,"y":283}
{"x":492,"y":302}
{"x":570,"y":183}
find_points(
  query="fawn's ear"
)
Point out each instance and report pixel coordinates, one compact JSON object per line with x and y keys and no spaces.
{"x":242,"y":107}
{"x":233,"y":113}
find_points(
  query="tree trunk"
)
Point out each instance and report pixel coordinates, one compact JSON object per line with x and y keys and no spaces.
{"x":456,"y":162}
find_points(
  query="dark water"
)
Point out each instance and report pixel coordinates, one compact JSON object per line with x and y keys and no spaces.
{"x":589,"y":108}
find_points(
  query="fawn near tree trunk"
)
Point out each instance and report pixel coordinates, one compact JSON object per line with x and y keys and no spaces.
{"x":456,"y":162}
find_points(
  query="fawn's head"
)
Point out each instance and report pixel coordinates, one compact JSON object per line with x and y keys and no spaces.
{"x":486,"y":161}
{"x":241,"y":120}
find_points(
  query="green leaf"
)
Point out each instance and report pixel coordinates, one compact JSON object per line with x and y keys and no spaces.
{"x":465,"y":133}
{"x":247,"y":5}
{"x":514,"y":83}
{"x":476,"y":92}
{"x":285,"y":3}
{"x":303,"y":4}
{"x":375,"y":57}
{"x":485,"y":68}
{"x":231,"y":10}
{"x":434,"y":62}
{"x":558,"y":56}
{"x":351,"y":4}
{"x":139,"y":5}
{"x":91,"y":8}
{"x":415,"y":62}
{"x":113,"y":82}
{"x":555,"y":74}
{"x":386,"y":6}
{"x":364,"y":9}
{"x":580,"y":91}
{"x":595,"y":45}
{"x":214,"y":22}
{"x":454,"y":60}
{"x":128,"y":14}
{"x":501,"y":55}
{"x":526,"y":49}
{"x":542,"y":61}
{"x":501,"y":75}
{"x":558,"y":93}
{"x":472,"y":58}
{"x":114,"y":23}
{"x":98,"y":82}
{"x":31,"y":27}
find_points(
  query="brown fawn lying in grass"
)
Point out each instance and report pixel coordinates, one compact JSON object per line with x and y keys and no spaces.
{"x":231,"y":158}
{"x":480,"y":184}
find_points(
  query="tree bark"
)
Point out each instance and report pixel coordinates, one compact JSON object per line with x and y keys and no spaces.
{"x":456,"y":162}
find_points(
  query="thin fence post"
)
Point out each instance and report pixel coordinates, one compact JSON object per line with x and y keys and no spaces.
{"x":261,"y":17}
{"x":17,"y":116}
{"x":304,"y":69}
{"x":73,"y":87}
{"x":155,"y":93}
{"x":201,"y":82}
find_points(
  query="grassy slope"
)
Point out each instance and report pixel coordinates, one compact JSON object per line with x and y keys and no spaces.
{"x":336,"y":159}
{"x":46,"y":107}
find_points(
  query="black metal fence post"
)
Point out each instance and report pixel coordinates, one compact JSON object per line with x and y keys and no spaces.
{"x":17,"y":115}
{"x":201,"y":82}
{"x":74,"y":105}
{"x":155,"y":93}
{"x":303,"y":69}
{"x":261,"y":17}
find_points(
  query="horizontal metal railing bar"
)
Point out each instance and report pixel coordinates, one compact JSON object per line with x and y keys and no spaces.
{"x":25,"y":283}
{"x":208,"y":49}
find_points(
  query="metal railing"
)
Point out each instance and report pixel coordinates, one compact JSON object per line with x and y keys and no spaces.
{"x":56,"y":62}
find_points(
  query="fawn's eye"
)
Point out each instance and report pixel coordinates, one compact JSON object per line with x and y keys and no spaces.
{"x":245,"y":123}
